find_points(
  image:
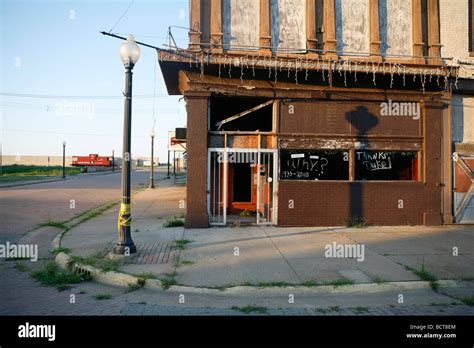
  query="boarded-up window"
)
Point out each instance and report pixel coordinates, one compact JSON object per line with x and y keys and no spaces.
{"x":395,"y":27}
{"x":288,"y":25}
{"x":241,"y":24}
{"x":314,"y":165}
{"x":386,"y":165}
{"x":352,"y":27}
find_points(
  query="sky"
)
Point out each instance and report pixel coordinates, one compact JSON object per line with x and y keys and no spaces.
{"x":53,"y":52}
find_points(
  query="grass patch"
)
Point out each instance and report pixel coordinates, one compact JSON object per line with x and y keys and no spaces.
{"x":53,"y":223}
{"x":58,"y":250}
{"x":168,"y":283}
{"x":310,"y":283}
{"x":250,"y":309}
{"x":52,"y":275}
{"x":101,"y":297}
{"x":379,"y":280}
{"x":339,"y":282}
{"x":142,"y":302}
{"x":174,"y":221}
{"x":468,"y":300}
{"x":23,"y":170}
{"x":98,"y":260}
{"x":245,"y":212}
{"x":425,"y":275}
{"x":82,"y":292}
{"x":334,"y":309}
{"x":355,"y":222}
{"x":180,"y":244}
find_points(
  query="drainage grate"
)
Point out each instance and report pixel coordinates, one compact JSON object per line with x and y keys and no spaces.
{"x":155,"y":253}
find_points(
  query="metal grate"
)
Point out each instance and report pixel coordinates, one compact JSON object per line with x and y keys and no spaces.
{"x":156,"y":253}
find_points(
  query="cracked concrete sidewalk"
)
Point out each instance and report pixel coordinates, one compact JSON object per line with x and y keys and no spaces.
{"x":220,"y":257}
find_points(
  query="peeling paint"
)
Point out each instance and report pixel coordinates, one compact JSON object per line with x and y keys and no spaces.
{"x":288,"y":25}
{"x":241,"y":24}
{"x":352,"y":26}
{"x":396,"y":27}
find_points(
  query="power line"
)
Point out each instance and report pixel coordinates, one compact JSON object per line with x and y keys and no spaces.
{"x":68,"y":133}
{"x":123,"y":14}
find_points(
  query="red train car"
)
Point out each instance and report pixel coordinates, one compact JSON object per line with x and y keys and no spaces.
{"x":93,"y":160}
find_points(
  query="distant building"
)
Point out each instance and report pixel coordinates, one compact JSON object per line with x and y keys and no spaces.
{"x":317,"y":112}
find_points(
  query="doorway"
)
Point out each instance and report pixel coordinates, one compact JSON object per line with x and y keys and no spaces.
{"x":241,"y":186}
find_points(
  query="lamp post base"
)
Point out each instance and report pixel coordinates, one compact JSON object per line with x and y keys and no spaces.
{"x":152,"y":184}
{"x":120,"y":249}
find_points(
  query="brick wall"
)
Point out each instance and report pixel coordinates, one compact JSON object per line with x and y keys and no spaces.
{"x":331,"y":203}
{"x":196,"y":186}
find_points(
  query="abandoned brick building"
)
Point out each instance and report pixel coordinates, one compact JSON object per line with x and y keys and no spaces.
{"x":314,"y":112}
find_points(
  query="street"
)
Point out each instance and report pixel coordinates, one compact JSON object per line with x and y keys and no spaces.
{"x":24,"y":207}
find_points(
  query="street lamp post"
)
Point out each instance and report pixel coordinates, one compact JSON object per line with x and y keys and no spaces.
{"x":113,"y":161}
{"x":64,"y":160}
{"x":168,"y":175}
{"x":129,"y":53}
{"x":152,"y":179}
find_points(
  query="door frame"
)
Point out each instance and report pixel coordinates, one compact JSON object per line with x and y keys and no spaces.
{"x":225,"y":151}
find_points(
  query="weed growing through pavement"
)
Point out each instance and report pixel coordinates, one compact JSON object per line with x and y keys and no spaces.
{"x":425,"y":275}
{"x":168,"y":282}
{"x":468,"y":300}
{"x":379,"y":280}
{"x":356,"y":222}
{"x":101,"y":297}
{"x":174,"y":221}
{"x":251,"y":309}
{"x":339,"y":282}
{"x":60,"y":249}
{"x":180,"y":244}
{"x":53,"y":223}
{"x":51,"y":274}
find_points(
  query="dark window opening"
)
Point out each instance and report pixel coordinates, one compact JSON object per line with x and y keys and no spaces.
{"x":386,"y":165}
{"x":242,"y":181}
{"x":314,"y":165}
{"x":319,"y":23}
{"x":424,"y":27}
{"x":222,"y":108}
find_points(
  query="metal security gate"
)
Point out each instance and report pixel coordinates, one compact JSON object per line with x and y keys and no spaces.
{"x":216,"y":190}
{"x":219,"y":174}
{"x":463,"y":194}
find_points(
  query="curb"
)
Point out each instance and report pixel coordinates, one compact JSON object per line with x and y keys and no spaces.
{"x":31,"y":183}
{"x":128,"y":280}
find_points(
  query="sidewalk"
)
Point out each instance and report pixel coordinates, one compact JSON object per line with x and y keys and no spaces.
{"x":273,"y":254}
